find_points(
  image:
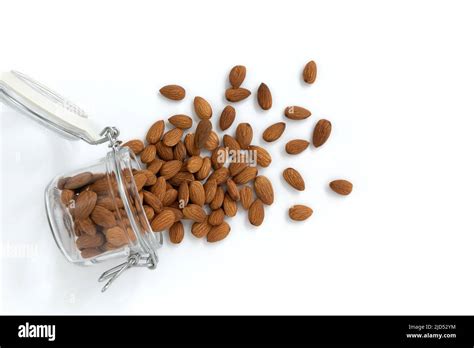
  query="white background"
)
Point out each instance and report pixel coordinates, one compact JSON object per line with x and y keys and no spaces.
{"x":396,"y":80}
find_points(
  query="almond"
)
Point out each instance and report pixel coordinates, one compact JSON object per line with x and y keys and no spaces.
{"x":180,"y":178}
{"x":163,"y":221}
{"x":236,"y":94}
{"x":150,"y":177}
{"x":173,"y":92}
{"x":178,"y":214}
{"x":297,"y":113}
{"x":67,"y":196}
{"x":244,"y":135}
{"x":233,"y":190}
{"x":136,"y":146}
{"x":78,"y":181}
{"x":155,"y":132}
{"x":343,"y":187}
{"x":203,"y":108}
{"x":191,"y":148}
{"x":216,"y":217}
{"x":86,"y":241}
{"x":171,"y":196}
{"x":194,"y":212}
{"x":159,"y":188}
{"x":256,"y":213}
{"x":218,"y":199}
{"x":212,"y":141}
{"x":153,"y":201}
{"x":196,"y":193}
{"x":246,"y":175}
{"x":176,"y":232}
{"x":264,"y":189}
{"x":183,"y":194}
{"x":179,"y":151}
{"x":246,"y":197}
{"x":294,"y":179}
{"x":227,"y":117}
{"x":237,"y":167}
{"x":237,"y":75}
{"x":148,"y":154}
{"x":203,"y":131}
{"x":116,"y":236}
{"x":210,"y":188}
{"x":140,"y":180}
{"x":264,"y":97}
{"x":300,"y":212}
{"x":200,"y":229}
{"x":87,"y":253}
{"x":181,"y":121}
{"x":274,"y":132}
{"x":194,"y":164}
{"x":296,"y":146}
{"x":309,"y":72}
{"x":220,"y":175}
{"x":164,"y":152}
{"x":103,"y":217}
{"x":321,"y":132}
{"x":205,"y":169}
{"x":170,"y":169}
{"x":218,"y":233}
{"x":108,"y":202}
{"x":84,"y":205}
{"x":86,"y":226}
{"x":149,"y":212}
{"x":263,"y":157}
{"x":230,"y":143}
{"x":229,"y":205}
{"x":172,"y":137}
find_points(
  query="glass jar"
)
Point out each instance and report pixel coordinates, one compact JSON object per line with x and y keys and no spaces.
{"x":95,"y":213}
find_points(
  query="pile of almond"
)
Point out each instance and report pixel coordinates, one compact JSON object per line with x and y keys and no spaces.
{"x":201,"y":175}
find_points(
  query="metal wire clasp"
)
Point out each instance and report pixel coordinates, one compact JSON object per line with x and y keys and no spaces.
{"x":109,"y":134}
{"x":134,"y":260}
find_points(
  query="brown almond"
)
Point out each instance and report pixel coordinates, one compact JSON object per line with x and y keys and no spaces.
{"x":236,"y":94}
{"x":172,"y":137}
{"x":194,"y":163}
{"x":202,"y":108}
{"x":170,"y":169}
{"x":163,"y":221}
{"x":148,"y":154}
{"x":181,"y":121}
{"x":237,"y":75}
{"x":220,"y":175}
{"x":149,"y":212}
{"x":179,"y":151}
{"x":210,"y":188}
{"x":203,"y":131}
{"x":176,"y":232}
{"x":191,"y":148}
{"x":256,"y":213}
{"x":181,"y":177}
{"x":153,"y":201}
{"x":178,"y":214}
{"x":244,"y":135}
{"x":150,"y":177}
{"x":86,"y":226}
{"x":164,"y":152}
{"x":237,"y":167}
{"x":212,"y":141}
{"x":246,"y":175}
{"x":309,"y":72}
{"x":159,"y":188}
{"x":216,"y":217}
{"x":231,"y":143}
{"x":85,"y":241}
{"x":218,"y":233}
{"x":274,"y":132}
{"x":78,"y":181}
{"x":297,"y":113}
{"x":183,"y":194}
{"x":196,"y":193}
{"x":343,"y":187}
{"x":116,"y":236}
{"x":67,"y":196}
{"x":294,"y":179}
{"x":321,"y":132}
{"x":218,"y":199}
{"x":294,"y":147}
{"x":135,"y":145}
{"x":264,"y":189}
{"x":84,"y":205}
{"x":140,"y":180}
{"x":171,"y":196}
{"x":264,"y":97}
{"x":229,"y":205}
{"x":233,"y":190}
{"x":194,"y":212}
{"x":300,"y":212}
{"x":111,"y":203}
{"x":173,"y":92}
{"x":103,"y":217}
{"x":205,"y":169}
{"x":227,"y":117}
{"x":246,"y":197}
{"x":200,"y":229}
{"x":87,"y":253}
{"x":155,"y":132}
{"x":263,"y":156}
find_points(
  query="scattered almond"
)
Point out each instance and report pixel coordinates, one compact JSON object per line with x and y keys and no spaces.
{"x":264,"y":189}
{"x":309,"y":72}
{"x":227,"y":117}
{"x":163,"y":221}
{"x":321,"y":132}
{"x":274,"y":132}
{"x":154,"y":133}
{"x":135,"y":145}
{"x":218,"y":233}
{"x":237,"y":75}
{"x":256,"y":213}
{"x":173,"y":92}
{"x":300,"y":212}
{"x":296,"y":146}
{"x":176,"y":232}
{"x":343,"y":187}
{"x":264,"y":97}
{"x":294,"y":179}
{"x":203,"y":108}
{"x":181,"y":121}
{"x":297,"y":113}
{"x":236,"y":94}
